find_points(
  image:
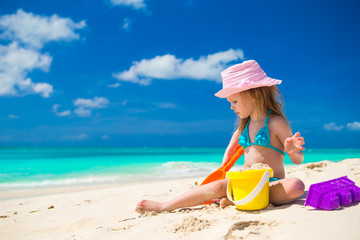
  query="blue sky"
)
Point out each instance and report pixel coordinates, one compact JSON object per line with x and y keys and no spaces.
{"x":143,"y":73}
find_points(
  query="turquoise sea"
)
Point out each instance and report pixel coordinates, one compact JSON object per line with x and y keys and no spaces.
{"x":43,"y":167}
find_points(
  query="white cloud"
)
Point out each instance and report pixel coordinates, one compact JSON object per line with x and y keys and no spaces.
{"x":12,"y":116}
{"x":355,"y":126}
{"x":82,"y":112}
{"x":36,"y":30}
{"x":137,"y":4}
{"x":64,"y":113}
{"x":15,"y":63}
{"x":126,"y":24}
{"x":96,"y":102}
{"x":166,"y":105}
{"x":85,"y":106}
{"x":169,"y":67}
{"x":115,"y":85}
{"x":60,"y":114}
{"x":44,"y":89}
{"x":28,"y":33}
{"x":55,"y":108}
{"x":332,"y":127}
{"x":16,"y":57}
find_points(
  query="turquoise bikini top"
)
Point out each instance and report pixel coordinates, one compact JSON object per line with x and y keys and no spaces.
{"x":262,"y":138}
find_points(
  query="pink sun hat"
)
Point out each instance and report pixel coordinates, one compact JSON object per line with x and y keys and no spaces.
{"x":244,"y":76}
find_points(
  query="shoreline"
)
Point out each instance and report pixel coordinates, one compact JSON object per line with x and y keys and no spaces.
{"x":8,"y":195}
{"x":44,"y":191}
{"x":108,"y":212}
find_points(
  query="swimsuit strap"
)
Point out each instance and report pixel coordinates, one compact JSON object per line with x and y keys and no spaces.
{"x":262,"y":138}
{"x":266,"y":121}
{"x":267,"y":117}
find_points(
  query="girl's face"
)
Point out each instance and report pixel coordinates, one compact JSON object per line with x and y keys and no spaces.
{"x":240,"y":105}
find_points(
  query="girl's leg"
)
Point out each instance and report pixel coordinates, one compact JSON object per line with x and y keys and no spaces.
{"x":196,"y":196}
{"x":286,"y":190}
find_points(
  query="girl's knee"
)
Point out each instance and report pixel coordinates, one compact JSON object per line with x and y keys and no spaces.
{"x":295,"y":187}
{"x":286,"y":191}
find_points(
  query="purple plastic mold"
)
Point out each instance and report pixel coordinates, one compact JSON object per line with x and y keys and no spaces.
{"x":332,"y":194}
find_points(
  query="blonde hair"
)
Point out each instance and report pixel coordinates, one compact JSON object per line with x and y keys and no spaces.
{"x":265,"y":99}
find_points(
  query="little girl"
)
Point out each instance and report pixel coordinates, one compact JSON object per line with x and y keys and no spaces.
{"x":263,"y":132}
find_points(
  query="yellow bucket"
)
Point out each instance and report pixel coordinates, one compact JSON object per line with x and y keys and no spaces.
{"x":250,"y":188}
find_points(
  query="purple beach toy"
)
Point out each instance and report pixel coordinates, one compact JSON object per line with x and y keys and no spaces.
{"x":332,"y":194}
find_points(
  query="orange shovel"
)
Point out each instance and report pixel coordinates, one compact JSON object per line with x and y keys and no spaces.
{"x":220,"y":173}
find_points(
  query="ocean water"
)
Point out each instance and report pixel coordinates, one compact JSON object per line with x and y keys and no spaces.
{"x":44,"y":167}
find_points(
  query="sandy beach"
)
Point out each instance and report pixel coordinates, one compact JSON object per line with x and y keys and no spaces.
{"x":108,"y":213}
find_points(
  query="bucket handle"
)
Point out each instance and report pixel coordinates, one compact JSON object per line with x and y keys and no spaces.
{"x":254,"y":192}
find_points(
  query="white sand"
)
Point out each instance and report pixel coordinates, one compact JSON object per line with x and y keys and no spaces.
{"x":108,"y":213}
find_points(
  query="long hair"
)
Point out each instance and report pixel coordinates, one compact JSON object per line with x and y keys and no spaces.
{"x":265,"y":99}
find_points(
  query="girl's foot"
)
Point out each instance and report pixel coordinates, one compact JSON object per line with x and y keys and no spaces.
{"x":148,"y":205}
{"x":225,"y":202}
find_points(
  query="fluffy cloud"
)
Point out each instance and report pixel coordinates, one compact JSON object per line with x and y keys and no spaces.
{"x":332,"y":127}
{"x":126,"y":24}
{"x":15,"y":63}
{"x":83,"y":112}
{"x":355,"y":126}
{"x":137,"y":4}
{"x":169,"y":67}
{"x":60,"y":114}
{"x":115,"y":85}
{"x":28,"y":33}
{"x":166,"y":105}
{"x":85,"y":106}
{"x":35,"y":30}
{"x":96,"y":102}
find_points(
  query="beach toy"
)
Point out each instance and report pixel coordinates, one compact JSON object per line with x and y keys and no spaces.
{"x":249,"y":188}
{"x":220,"y":172}
{"x":332,"y":194}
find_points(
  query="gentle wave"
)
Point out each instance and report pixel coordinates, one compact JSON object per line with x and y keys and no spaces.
{"x":163,"y":171}
{"x":170,"y":170}
{"x":81,"y":181}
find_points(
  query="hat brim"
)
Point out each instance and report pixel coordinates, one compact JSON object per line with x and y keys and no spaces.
{"x":226,"y":92}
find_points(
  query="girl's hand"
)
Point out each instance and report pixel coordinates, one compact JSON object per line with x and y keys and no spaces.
{"x":228,"y":155}
{"x":225,"y":160}
{"x":294,"y":144}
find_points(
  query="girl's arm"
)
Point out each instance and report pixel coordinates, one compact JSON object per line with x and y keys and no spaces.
{"x":293,"y":144}
{"x":230,"y":150}
{"x":293,"y":147}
